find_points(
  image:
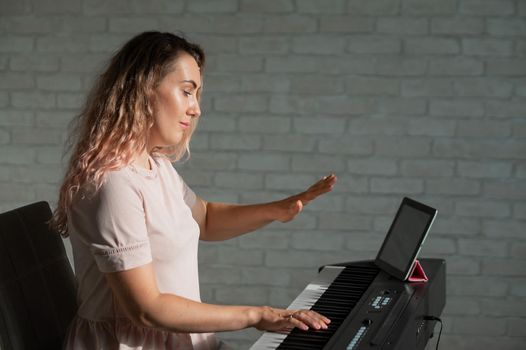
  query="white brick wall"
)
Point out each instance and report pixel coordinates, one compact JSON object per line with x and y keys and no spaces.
{"x":425,"y":98}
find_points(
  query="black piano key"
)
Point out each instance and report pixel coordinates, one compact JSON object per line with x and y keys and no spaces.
{"x":335,"y":303}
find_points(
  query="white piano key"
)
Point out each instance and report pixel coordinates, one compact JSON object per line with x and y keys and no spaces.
{"x":305,"y":300}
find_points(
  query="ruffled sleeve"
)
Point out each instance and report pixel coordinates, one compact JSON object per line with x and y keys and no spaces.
{"x":119,"y":239}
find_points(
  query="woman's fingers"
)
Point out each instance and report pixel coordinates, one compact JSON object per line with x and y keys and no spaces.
{"x":306,"y":319}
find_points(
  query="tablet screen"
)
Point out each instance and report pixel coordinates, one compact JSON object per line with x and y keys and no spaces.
{"x":405,"y":237}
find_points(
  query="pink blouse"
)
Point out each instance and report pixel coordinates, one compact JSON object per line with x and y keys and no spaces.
{"x":137,"y":217}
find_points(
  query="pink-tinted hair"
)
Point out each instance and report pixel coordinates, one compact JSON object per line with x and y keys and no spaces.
{"x":113,"y":125}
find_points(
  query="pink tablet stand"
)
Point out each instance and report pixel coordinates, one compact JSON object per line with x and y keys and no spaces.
{"x":417,"y":273}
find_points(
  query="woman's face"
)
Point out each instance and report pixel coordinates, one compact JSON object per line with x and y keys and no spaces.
{"x":176,"y":103}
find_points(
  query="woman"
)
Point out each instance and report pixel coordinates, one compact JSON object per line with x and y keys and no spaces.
{"x":134,"y":224}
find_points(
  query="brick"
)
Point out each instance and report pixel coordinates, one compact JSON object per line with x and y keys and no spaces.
{"x":427,"y":168}
{"x":254,"y":103}
{"x":265,"y":162}
{"x":33,"y":25}
{"x":272,"y":277}
{"x":50,"y":155}
{"x":482,"y":326}
{"x":377,"y":7}
{"x":403,"y":147}
{"x":487,"y":47}
{"x":131,"y":24}
{"x":326,"y":164}
{"x":291,"y":64}
{"x":238,"y":180}
{"x":17,"y":155}
{"x":457,"y":26}
{"x":70,"y":100}
{"x":59,"y":82}
{"x":474,"y":148}
{"x":519,"y":210}
{"x":517,"y":327}
{"x":28,"y":136}
{"x":327,"y":203}
{"x":217,"y":122}
{"x":372,"y":86}
{"x":215,"y":44}
{"x":33,"y":99}
{"x":254,"y":6}
{"x":213,"y":161}
{"x":289,"y":24}
{"x":398,"y":186}
{"x":506,"y":67}
{"x":431,"y":127}
{"x":402,"y":26}
{"x":265,"y":240}
{"x":431,"y":45}
{"x":462,"y":266}
{"x":263,"y":45}
{"x":347,"y":65}
{"x":321,"y":125}
{"x":4,"y":99}
{"x":16,"y":118}
{"x":156,"y":7}
{"x":62,"y":44}
{"x":346,"y":24}
{"x":345,"y":221}
{"x":31,"y":174}
{"x":239,"y":294}
{"x":352,"y":184}
{"x":343,"y":105}
{"x":16,"y":44}
{"x":346,"y":145}
{"x":486,"y":7}
{"x":84,"y":63}
{"x":316,"y":7}
{"x":401,"y":106}
{"x":478,"y":169}
{"x":213,"y":6}
{"x":234,"y":63}
{"x":265,"y":83}
{"x":482,"y":247}
{"x":371,"y":205}
{"x":503,"y":307}
{"x":16,"y":81}
{"x":59,"y":7}
{"x":438,"y":246}
{"x":518,"y":288}
{"x":503,"y":189}
{"x":40,"y":63}
{"x":458,"y":108}
{"x":400,"y":66}
{"x":318,"y":45}
{"x":12,"y":192}
{"x":239,"y":142}
{"x":503,"y":267}
{"x":482,"y":209}
{"x":316,"y":84}
{"x":461,"y":66}
{"x":319,"y":241}
{"x":265,"y":124}
{"x":504,"y":109}
{"x":221,"y":83}
{"x":303,"y":222}
{"x":292,"y":104}
{"x":429,"y":87}
{"x":288,"y":182}
{"x":373,"y":44}
{"x":486,"y":87}
{"x":16,"y":8}
{"x":289,"y":142}
{"x":507,"y":27}
{"x":506,"y":228}
{"x":372,"y":166}
{"x":476,"y":286}
{"x":461,"y":306}
{"x":429,"y":7}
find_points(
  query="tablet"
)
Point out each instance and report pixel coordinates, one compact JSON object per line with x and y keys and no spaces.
{"x":405,"y":238}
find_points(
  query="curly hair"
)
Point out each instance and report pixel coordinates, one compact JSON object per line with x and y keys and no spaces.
{"x":113,"y":125}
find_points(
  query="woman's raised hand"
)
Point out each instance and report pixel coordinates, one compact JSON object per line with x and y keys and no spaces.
{"x":288,"y":208}
{"x":281,"y":320}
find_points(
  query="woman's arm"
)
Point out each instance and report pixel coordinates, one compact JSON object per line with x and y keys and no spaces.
{"x":137,"y":293}
{"x":220,"y":221}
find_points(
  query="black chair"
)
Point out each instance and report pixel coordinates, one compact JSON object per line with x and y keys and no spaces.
{"x":37,"y":284}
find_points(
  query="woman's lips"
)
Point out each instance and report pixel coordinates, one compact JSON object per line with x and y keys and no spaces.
{"x":184,"y":124}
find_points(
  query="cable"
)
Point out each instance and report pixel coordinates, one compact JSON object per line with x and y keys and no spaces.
{"x":433,"y":318}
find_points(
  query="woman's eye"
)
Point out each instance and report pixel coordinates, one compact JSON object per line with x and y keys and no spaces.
{"x":187,"y":93}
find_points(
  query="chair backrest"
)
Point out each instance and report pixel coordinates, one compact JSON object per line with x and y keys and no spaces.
{"x":37,"y":284}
